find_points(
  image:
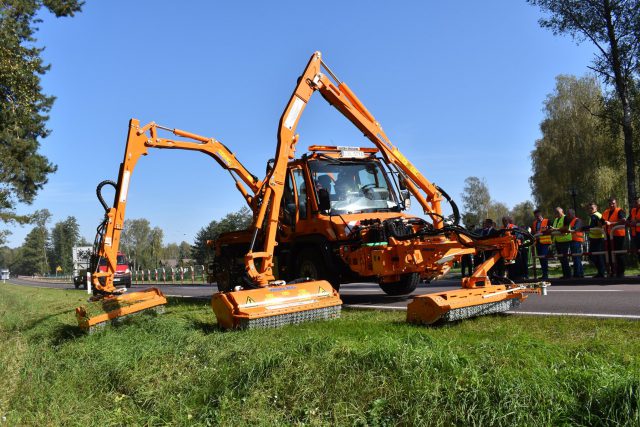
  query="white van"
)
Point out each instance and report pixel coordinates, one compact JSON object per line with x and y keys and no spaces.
{"x":4,"y":274}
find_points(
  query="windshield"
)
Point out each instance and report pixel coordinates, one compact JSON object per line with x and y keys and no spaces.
{"x":353,"y":186}
{"x":121,"y":260}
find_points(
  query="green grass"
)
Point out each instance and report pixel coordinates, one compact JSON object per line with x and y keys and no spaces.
{"x":368,"y":368}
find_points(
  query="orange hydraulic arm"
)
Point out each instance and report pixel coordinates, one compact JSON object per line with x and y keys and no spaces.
{"x":344,"y":100}
{"x":138,"y":141}
{"x":341,"y":97}
{"x":268,"y":214}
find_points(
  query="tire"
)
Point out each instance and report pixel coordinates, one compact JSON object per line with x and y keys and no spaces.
{"x":310,"y":263}
{"x":407,"y":284}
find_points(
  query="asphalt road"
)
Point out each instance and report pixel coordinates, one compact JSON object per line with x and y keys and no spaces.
{"x":596,"y":299}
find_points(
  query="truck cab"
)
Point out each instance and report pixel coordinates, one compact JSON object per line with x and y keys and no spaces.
{"x":122,"y":276}
{"x":342,"y":219}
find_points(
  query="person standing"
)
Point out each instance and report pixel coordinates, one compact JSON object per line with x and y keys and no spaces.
{"x":634,"y":223}
{"x":543,"y":242}
{"x":562,"y":240}
{"x":611,"y":217}
{"x":513,"y":269}
{"x":466,"y":261}
{"x":577,"y":238}
{"x":596,"y":238}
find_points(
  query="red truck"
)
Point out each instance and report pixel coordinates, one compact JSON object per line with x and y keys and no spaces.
{"x":122,"y":276}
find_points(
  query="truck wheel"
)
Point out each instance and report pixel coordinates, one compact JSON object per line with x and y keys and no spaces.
{"x":407,"y":284}
{"x":310,"y":263}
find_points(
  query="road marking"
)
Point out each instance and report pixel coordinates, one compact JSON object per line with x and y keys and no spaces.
{"x":534,"y":313}
{"x":375,"y":307}
{"x":189,"y":296}
{"x":544,"y":313}
{"x":585,"y":290}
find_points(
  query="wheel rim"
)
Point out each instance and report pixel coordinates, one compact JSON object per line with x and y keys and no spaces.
{"x":308,"y":269}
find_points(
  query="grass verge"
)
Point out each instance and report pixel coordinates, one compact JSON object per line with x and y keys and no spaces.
{"x":368,"y":368}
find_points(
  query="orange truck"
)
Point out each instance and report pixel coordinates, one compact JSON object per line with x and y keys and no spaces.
{"x":333,"y":215}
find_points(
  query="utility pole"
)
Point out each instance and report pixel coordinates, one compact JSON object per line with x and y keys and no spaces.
{"x":573,"y":193}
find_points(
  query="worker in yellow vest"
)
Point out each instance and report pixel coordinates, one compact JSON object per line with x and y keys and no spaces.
{"x":562,"y":239}
{"x":633,"y":222}
{"x":611,"y":217}
{"x":573,"y":225}
{"x":596,"y":238}
{"x":541,"y":225}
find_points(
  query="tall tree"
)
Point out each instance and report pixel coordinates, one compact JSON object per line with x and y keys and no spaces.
{"x":23,"y":106}
{"x":33,"y":254}
{"x":155,"y":246}
{"x":64,"y":236}
{"x":233,"y":221}
{"x":185,"y":252}
{"x":496,"y":211}
{"x":577,"y":151}
{"x":476,"y":201}
{"x":135,"y":239}
{"x":171,"y":251}
{"x":522,"y":213}
{"x":613,"y":26}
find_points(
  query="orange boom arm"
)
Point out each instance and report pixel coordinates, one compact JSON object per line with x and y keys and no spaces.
{"x":138,"y":141}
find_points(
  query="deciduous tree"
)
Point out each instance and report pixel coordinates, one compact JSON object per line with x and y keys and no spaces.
{"x":577,"y":150}
{"x":64,"y":236}
{"x":476,"y":201}
{"x":613,"y":27}
{"x":234,"y":221}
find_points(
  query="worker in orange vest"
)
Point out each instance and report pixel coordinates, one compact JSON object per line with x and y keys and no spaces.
{"x":512,"y":268}
{"x":573,"y":225}
{"x":634,"y":225}
{"x":543,"y":242}
{"x":611,"y":217}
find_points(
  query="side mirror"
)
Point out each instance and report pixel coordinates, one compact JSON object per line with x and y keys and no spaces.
{"x":406,"y":198}
{"x":401,"y":183}
{"x":324,"y":202}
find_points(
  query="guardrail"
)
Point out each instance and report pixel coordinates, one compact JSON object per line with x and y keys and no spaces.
{"x":174,"y":275}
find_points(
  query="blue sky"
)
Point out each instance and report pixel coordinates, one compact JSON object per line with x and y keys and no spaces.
{"x":457,"y":86}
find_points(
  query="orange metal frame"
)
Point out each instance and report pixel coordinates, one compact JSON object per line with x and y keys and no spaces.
{"x":139,"y":139}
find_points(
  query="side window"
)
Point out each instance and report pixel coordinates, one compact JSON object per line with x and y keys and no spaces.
{"x":288,"y":203}
{"x":301,"y":187}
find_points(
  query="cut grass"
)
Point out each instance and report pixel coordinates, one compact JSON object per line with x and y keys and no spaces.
{"x":368,"y":368}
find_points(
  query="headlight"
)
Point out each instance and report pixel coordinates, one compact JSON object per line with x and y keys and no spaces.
{"x":127,"y":271}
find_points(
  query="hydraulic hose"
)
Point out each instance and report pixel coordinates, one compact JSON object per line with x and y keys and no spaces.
{"x":454,"y":207}
{"x":99,"y":192}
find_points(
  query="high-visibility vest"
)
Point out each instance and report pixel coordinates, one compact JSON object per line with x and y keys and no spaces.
{"x":543,"y":240}
{"x":595,"y":234}
{"x":613,"y":216}
{"x":564,"y":237}
{"x":635,"y":214}
{"x":576,"y":236}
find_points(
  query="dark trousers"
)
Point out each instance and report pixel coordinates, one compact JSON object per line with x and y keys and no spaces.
{"x":543,"y":251}
{"x":636,"y":242}
{"x":618,"y":244}
{"x":597,"y":245}
{"x":564,"y":249}
{"x":576,"y":254}
{"x":466,"y":263}
{"x":524,"y":260}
